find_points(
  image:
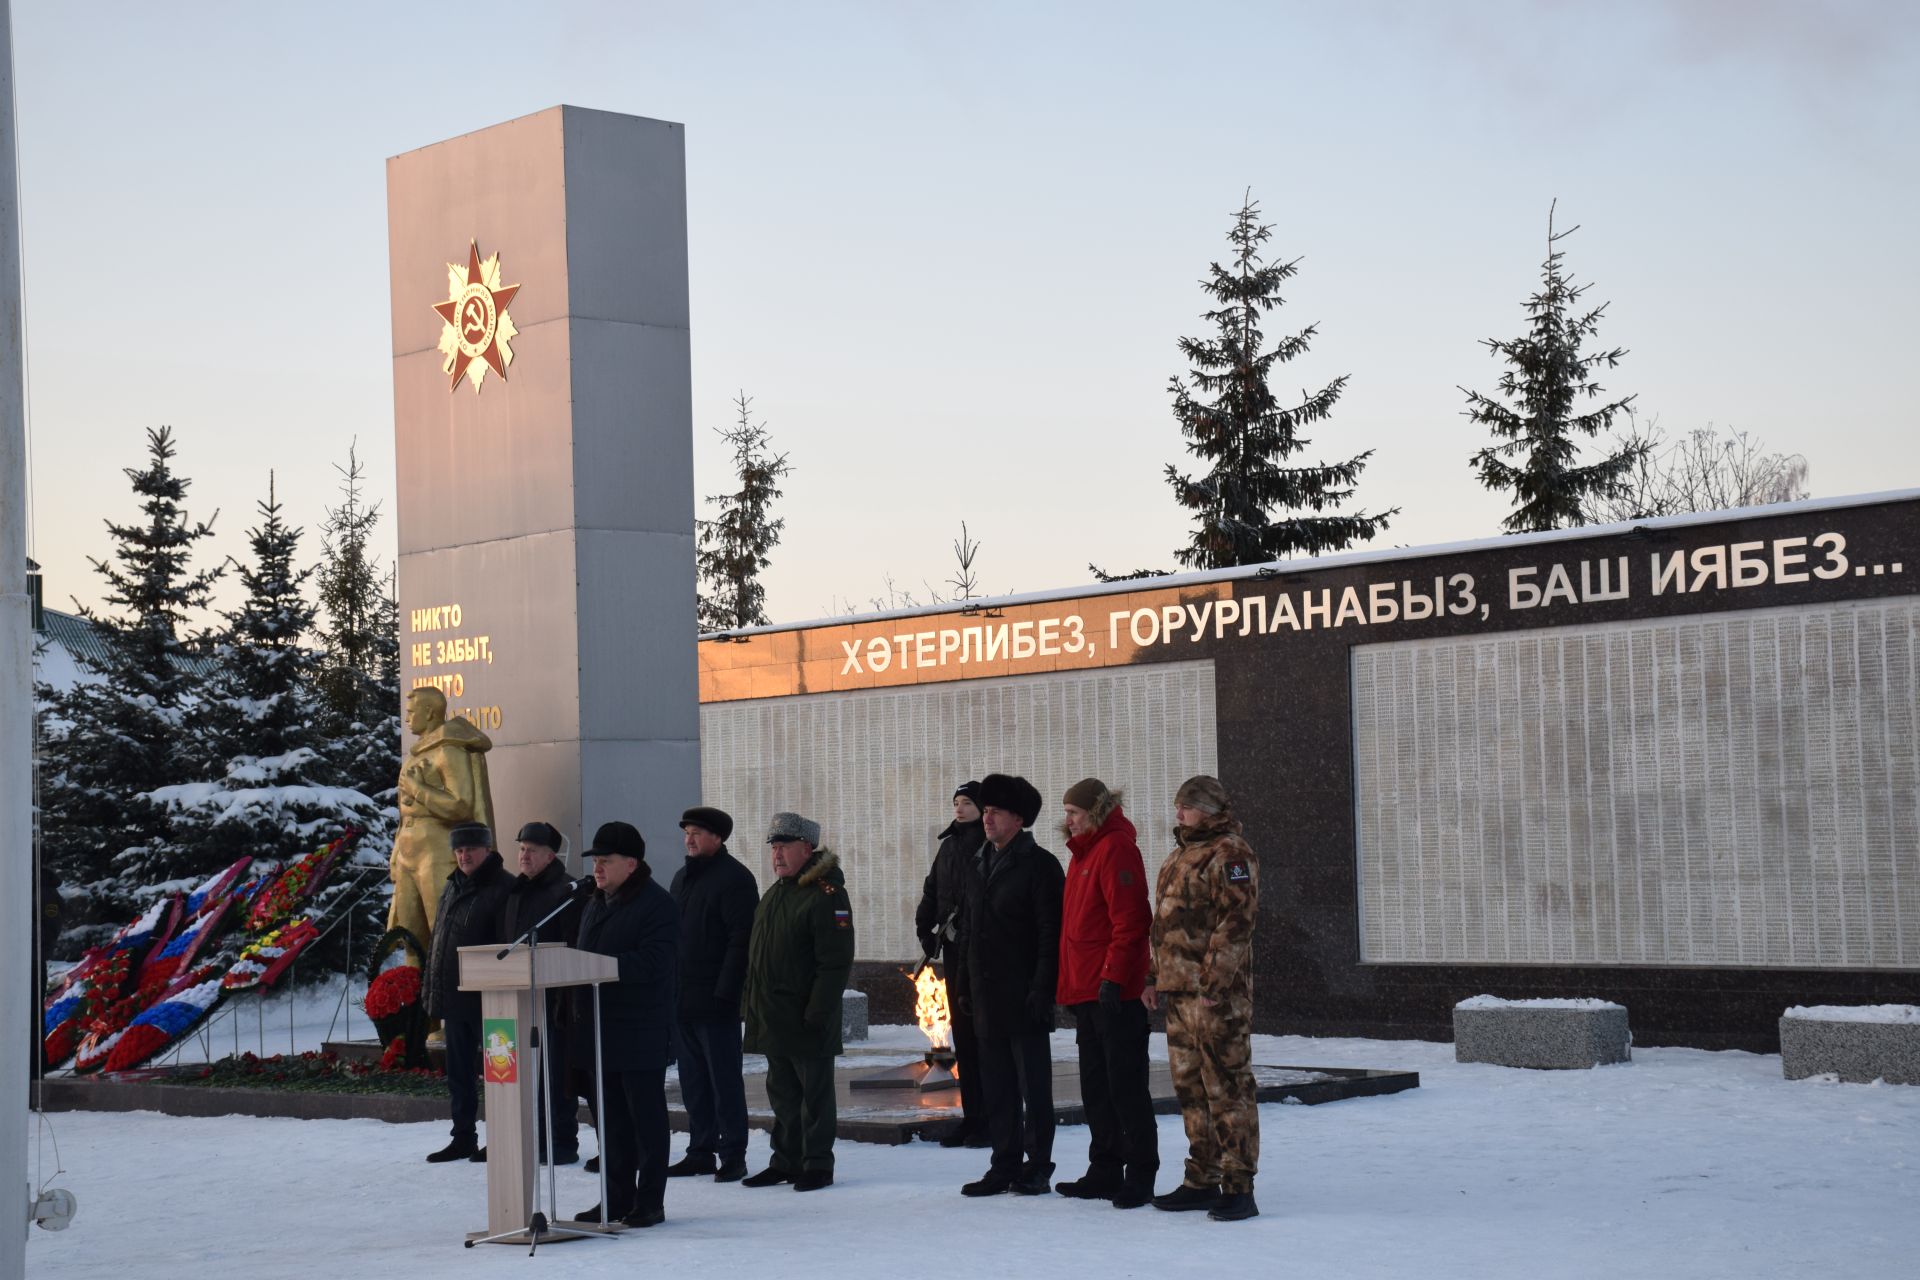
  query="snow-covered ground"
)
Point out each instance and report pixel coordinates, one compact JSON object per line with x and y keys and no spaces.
{"x":1680,"y":1164}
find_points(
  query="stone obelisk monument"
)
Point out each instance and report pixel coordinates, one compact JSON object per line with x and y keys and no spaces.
{"x":543,"y":426}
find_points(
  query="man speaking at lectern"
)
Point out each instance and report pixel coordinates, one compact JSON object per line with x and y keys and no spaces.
{"x":631,"y":918}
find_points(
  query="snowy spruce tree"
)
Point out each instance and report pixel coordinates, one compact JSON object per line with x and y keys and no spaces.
{"x":1535,"y":420}
{"x":270,"y":788}
{"x":734,"y":545}
{"x":129,"y":730}
{"x":359,"y":679}
{"x":358,"y":630}
{"x":1251,"y":504}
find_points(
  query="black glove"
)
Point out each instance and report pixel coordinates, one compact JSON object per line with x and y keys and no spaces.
{"x":1109,"y":996}
{"x":1040,"y":1010}
{"x":964,"y":1004}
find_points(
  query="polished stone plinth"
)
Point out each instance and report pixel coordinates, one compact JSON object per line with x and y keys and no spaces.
{"x":901,"y":1114}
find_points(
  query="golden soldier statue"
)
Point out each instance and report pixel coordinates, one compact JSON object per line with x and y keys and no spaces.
{"x":443,"y":782}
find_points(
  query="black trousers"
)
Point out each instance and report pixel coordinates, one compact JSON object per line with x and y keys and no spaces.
{"x":564,"y":1122}
{"x":1124,"y":1146}
{"x":712,"y":1087}
{"x":1016,"y":1076}
{"x":966,"y":1055}
{"x":633,"y":1138}
{"x":805,"y":1112}
{"x":463,"y":1073}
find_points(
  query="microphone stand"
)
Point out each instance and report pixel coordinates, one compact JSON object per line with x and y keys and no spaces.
{"x":542,"y":1224}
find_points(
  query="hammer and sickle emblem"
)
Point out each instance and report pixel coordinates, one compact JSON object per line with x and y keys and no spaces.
{"x":473,"y":321}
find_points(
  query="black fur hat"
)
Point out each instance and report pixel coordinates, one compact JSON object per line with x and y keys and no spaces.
{"x":1012,"y":793}
{"x":718,"y":821}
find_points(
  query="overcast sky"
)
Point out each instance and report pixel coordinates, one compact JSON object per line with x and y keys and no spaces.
{"x":949,"y":249}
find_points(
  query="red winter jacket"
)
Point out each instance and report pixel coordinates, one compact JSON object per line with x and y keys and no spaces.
{"x":1104,"y":914}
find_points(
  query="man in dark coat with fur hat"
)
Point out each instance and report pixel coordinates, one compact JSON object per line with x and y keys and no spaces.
{"x":716,"y":895}
{"x":1013,"y":961}
{"x":631,"y":918}
{"x":468,"y":916}
{"x":542,"y":887}
{"x":940,"y":922}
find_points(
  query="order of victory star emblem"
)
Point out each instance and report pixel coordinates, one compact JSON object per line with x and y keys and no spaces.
{"x":478,"y":328}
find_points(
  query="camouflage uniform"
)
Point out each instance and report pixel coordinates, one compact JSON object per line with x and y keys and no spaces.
{"x":1203,"y":946}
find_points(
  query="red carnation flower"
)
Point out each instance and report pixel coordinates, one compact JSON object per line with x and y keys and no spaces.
{"x":135,"y":1047}
{"x":393,"y":991}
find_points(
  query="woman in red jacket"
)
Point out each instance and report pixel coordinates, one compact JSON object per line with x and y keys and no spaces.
{"x":1103,"y":966}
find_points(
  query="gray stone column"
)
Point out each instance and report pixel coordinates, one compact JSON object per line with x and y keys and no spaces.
{"x":553,"y":506}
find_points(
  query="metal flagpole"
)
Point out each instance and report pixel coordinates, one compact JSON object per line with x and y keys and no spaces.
{"x":16,"y":701}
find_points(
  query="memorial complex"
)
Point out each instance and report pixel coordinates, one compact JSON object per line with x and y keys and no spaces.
{"x":1673,"y":764}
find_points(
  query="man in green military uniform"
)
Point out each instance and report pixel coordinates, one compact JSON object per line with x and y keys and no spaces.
{"x":798,"y":960}
{"x":1202,"y":971}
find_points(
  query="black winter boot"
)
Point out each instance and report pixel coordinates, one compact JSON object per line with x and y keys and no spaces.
{"x":461,"y":1148}
{"x":1235,"y":1206}
{"x":1095,"y":1186}
{"x":693,"y":1163}
{"x":995,"y":1183}
{"x":1184,"y":1197}
{"x":1033,"y":1180}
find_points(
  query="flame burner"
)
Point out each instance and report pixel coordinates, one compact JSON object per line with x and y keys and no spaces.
{"x":936,"y":1068}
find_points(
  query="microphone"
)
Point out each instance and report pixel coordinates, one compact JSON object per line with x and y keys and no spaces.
{"x":573,"y":891}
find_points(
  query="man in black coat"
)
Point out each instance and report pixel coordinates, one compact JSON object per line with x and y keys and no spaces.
{"x":716,"y":895}
{"x":468,"y":916}
{"x":543,"y":886}
{"x":1013,"y":961}
{"x":631,"y":918}
{"x":940,"y":921}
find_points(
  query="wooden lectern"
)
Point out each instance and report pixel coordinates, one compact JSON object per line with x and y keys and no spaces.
{"x":507,"y":1020}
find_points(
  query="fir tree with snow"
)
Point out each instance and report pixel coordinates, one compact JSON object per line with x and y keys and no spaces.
{"x":734,"y":546}
{"x":111,"y":740}
{"x":1536,"y":429}
{"x":359,"y":667}
{"x":269,"y":790}
{"x":1250,"y":506}
{"x":359,"y":681}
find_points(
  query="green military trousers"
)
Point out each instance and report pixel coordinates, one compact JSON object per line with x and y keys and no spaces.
{"x":800,"y":1091}
{"x":1211,"y":1055}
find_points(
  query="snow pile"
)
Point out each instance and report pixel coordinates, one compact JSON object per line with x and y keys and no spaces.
{"x":1904,"y":1014}
{"x":1495,"y":1002}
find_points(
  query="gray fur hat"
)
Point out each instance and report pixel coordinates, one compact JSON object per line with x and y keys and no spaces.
{"x":791,"y":826}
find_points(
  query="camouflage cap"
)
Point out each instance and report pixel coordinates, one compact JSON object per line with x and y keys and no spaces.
{"x":1204,"y":793}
